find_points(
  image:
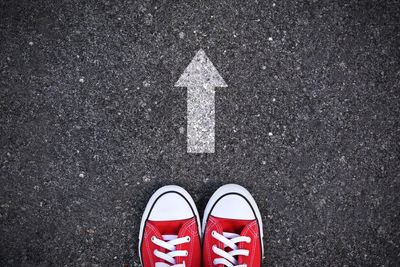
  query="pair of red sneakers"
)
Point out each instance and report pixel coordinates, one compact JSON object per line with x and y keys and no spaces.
{"x":231,"y":232}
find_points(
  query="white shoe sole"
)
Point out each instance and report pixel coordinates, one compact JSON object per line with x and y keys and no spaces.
{"x":163,"y":190}
{"x":229,"y":189}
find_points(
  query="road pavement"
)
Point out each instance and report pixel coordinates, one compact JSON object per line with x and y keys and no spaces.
{"x":91,"y":125}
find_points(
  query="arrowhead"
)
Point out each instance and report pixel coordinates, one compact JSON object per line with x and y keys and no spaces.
{"x":200,"y":72}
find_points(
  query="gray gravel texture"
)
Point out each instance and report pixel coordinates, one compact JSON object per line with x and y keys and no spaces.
{"x":91,"y":125}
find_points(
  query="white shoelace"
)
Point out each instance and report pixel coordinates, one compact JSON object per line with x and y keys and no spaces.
{"x":173,"y":241}
{"x":229,"y":240}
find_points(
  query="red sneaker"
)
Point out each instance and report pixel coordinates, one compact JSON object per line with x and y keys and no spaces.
{"x":232,"y":229}
{"x":169,"y":230}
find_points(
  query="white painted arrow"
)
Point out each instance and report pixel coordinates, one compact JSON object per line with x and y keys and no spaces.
{"x":200,"y":78}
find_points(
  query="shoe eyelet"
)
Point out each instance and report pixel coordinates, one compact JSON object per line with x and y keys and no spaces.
{"x":187,"y":253}
{"x":213,"y":233}
{"x":248,"y":242}
{"x":188,"y":239}
{"x":153,"y":238}
{"x":154,"y":251}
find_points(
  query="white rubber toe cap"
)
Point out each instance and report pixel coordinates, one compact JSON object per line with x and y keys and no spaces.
{"x":170,"y":206}
{"x":233,"y":207}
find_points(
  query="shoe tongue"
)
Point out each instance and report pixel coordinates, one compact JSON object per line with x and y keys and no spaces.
{"x":169,"y":227}
{"x":162,"y":264}
{"x":232,"y":225}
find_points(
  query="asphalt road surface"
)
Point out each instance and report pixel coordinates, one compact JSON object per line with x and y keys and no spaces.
{"x":91,"y":125}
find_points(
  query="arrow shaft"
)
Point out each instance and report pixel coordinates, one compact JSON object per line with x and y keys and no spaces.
{"x":201,"y":119}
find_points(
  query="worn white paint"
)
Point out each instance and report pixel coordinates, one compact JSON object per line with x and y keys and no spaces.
{"x":200,"y":78}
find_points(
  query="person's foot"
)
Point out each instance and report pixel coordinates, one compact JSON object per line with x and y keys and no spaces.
{"x":170,"y":230}
{"x":232,"y":229}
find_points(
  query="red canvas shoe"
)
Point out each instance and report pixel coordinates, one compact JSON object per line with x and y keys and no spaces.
{"x":232,"y":229}
{"x":169,"y":230}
